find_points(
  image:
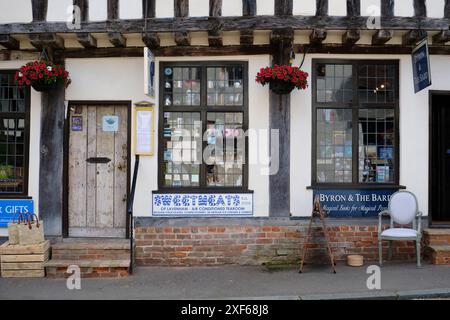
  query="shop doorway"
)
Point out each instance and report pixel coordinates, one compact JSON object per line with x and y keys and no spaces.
{"x":97,"y":170}
{"x":440,"y":158}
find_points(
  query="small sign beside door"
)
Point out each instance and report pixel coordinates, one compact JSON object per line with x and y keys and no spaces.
{"x":77,"y":123}
{"x":110,"y":123}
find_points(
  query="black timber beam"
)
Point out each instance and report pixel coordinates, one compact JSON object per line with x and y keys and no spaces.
{"x":84,"y":9}
{"x":442,"y":37}
{"x":39,"y":10}
{"x":87,"y":40}
{"x":382,"y":36}
{"x":321,"y":8}
{"x":317,"y":36}
{"x":280,"y":121}
{"x":249,"y":8}
{"x":9,"y":42}
{"x":215,"y":34}
{"x":283,"y":7}
{"x":387,"y":8}
{"x":113,"y":9}
{"x":117,"y":39}
{"x":420,"y":8}
{"x":46,"y":40}
{"x":194,"y":24}
{"x":350,"y":37}
{"x":151,"y":40}
{"x":412,"y":37}
{"x":246,"y":37}
{"x":181,"y":8}
{"x":182,"y":38}
{"x":148,"y":8}
{"x":353,"y":8}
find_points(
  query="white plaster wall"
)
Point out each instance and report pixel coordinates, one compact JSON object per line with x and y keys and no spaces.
{"x":435,"y":8}
{"x":108,"y":75}
{"x":337,"y":7}
{"x":405,"y":8}
{"x":265,"y":7}
{"x":304,"y":7}
{"x":198,"y":8}
{"x":130,"y":9}
{"x":19,"y":12}
{"x":98,"y":10}
{"x":414,"y":131}
{"x":59,"y":10}
{"x":232,"y":8}
{"x":35,"y":133}
{"x":164,"y":9}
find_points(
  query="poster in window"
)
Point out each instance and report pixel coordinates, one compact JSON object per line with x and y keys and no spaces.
{"x":144,"y":129}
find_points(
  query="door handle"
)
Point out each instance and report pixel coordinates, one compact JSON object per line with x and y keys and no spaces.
{"x":98,"y":160}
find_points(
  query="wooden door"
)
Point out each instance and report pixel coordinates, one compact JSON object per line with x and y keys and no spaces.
{"x":97,"y":171}
{"x":440,"y":166}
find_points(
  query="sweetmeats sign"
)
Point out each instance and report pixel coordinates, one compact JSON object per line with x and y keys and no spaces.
{"x":204,"y":204}
{"x":354,"y":203}
{"x":10,"y":208}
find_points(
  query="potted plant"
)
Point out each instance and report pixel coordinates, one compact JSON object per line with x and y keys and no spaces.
{"x":282,"y":79}
{"x":42,"y":75}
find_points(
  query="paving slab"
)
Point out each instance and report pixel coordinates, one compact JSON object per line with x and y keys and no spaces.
{"x":398,"y":280}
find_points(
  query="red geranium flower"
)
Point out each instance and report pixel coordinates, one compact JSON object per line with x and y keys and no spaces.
{"x":283,"y":73}
{"x":41,"y":72}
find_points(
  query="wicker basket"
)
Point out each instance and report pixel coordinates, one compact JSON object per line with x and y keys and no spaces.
{"x":355,"y":260}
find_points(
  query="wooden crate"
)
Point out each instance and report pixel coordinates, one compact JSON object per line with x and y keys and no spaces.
{"x":24,"y":261}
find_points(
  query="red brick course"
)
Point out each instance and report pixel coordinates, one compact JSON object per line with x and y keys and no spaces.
{"x":256,"y":245}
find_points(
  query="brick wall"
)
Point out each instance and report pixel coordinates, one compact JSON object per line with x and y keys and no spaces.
{"x":255,"y":245}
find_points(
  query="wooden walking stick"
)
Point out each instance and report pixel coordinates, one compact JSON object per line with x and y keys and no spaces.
{"x":317,"y":212}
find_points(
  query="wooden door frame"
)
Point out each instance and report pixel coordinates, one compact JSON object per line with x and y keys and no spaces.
{"x":124,"y":103}
{"x":431,"y":158}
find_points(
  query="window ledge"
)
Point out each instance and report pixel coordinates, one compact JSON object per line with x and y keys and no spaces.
{"x":14,"y":196}
{"x":355,"y":186}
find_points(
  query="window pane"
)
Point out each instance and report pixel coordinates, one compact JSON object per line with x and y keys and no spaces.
{"x":225,"y":86}
{"x":12,"y":135}
{"x":376,"y":83}
{"x":334,"y":83}
{"x":182,"y":143}
{"x":181,"y":86}
{"x":376,"y":145}
{"x":334,"y":145}
{"x":225,"y":154}
{"x":12,"y":159}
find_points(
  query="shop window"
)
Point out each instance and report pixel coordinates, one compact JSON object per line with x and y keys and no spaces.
{"x":204,"y":118}
{"x":14,"y":119}
{"x":355,"y":122}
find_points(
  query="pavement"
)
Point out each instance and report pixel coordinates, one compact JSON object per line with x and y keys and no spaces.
{"x":398,"y":281}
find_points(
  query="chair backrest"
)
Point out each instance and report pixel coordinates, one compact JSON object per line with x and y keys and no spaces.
{"x":403,"y":207}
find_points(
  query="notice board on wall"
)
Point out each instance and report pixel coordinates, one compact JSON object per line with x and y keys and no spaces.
{"x":144,"y":129}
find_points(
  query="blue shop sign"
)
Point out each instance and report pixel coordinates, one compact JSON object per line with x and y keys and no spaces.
{"x":421,"y":67}
{"x":11,"y":208}
{"x":354,"y":203}
{"x":202,"y":204}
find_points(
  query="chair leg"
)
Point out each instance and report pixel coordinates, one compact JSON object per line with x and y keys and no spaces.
{"x":390,"y":250}
{"x":418,"y":253}
{"x":380,"y":252}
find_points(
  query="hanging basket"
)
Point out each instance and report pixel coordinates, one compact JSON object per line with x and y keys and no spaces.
{"x":281,"y":87}
{"x":43,"y":87}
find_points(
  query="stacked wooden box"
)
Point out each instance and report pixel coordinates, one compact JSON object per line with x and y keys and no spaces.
{"x":24,"y":261}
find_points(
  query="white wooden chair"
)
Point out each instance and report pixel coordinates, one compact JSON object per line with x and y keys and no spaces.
{"x":403,"y":210}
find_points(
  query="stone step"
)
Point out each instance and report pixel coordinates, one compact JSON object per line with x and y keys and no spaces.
{"x":438,"y":254}
{"x":436,"y":237}
{"x":109,"y":249}
{"x":57,"y":268}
